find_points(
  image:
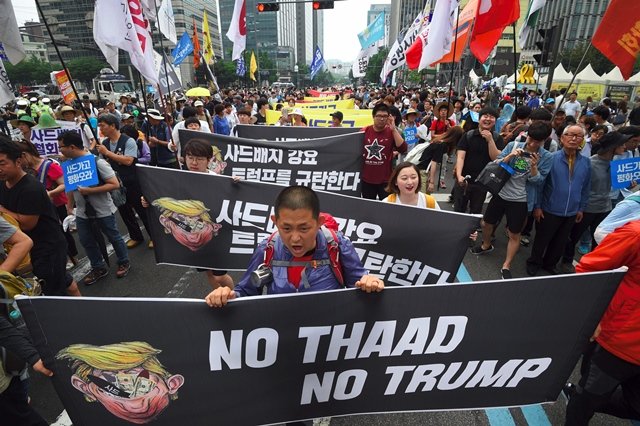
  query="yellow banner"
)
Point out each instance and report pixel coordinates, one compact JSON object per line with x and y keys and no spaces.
{"x":320,"y":118}
{"x":339,"y":105}
{"x":314,"y":99}
{"x":595,"y":90}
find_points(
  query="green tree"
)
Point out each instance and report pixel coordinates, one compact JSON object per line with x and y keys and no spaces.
{"x":29,"y":71}
{"x":85,"y":69}
{"x":375,"y":66}
{"x":225,"y":72}
{"x":324,"y":78}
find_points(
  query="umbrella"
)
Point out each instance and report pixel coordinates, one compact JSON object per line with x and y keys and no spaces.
{"x":198,"y":91}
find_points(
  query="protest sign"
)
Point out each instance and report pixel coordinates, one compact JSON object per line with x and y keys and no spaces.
{"x":322,"y":118}
{"x":193,"y":225}
{"x":64,"y":85}
{"x":80,"y":171}
{"x":288,"y":133}
{"x":332,"y":163}
{"x":46,"y":140}
{"x":339,"y":105}
{"x":624,"y":172}
{"x":268,"y":360}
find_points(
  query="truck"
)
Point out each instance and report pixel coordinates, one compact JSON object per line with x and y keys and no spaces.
{"x":109,"y":86}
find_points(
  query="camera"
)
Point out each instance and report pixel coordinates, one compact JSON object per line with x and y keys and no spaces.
{"x":526,"y":154}
{"x":261,"y":276}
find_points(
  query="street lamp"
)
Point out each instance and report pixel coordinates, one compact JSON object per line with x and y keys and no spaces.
{"x":295,"y":70}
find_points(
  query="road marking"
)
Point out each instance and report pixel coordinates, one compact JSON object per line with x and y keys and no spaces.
{"x":182,"y":284}
{"x":534,"y":414}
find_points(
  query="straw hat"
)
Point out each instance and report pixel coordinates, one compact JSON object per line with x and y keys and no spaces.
{"x":68,"y":108}
{"x":297,"y":111}
{"x":449,"y":106}
{"x":155,"y":114}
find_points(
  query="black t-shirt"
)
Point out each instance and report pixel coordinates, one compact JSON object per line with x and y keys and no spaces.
{"x":477,"y":152}
{"x":260,"y":119}
{"x":29,"y":197}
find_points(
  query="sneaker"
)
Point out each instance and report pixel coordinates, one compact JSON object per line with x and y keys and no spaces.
{"x":479,"y":250}
{"x":524,"y":241}
{"x":506,"y":274}
{"x":133,"y":243}
{"x":150,"y":245}
{"x":123,"y":270}
{"x":584,"y":248}
{"x":567,"y":268}
{"x":95,"y":274}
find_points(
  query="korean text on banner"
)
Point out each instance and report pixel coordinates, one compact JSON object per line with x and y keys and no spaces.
{"x":64,"y":85}
{"x":625,"y":172}
{"x":46,"y":140}
{"x":321,"y":118}
{"x":80,"y":171}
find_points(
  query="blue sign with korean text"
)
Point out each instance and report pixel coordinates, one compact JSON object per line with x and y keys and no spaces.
{"x":80,"y":171}
{"x":624,"y":172}
{"x":411,"y":136}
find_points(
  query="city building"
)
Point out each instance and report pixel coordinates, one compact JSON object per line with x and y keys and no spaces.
{"x":34,"y":47}
{"x":403,"y":12}
{"x":72,"y":24}
{"x":577,"y":21}
{"x":288,"y":36}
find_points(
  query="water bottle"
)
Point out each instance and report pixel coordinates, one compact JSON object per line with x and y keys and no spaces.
{"x":15,"y":314}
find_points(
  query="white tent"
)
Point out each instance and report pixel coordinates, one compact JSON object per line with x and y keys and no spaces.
{"x":613,"y":75}
{"x":634,"y":78}
{"x":560,"y":74}
{"x":588,"y":74}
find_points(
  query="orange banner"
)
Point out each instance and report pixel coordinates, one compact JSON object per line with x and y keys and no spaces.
{"x":64,"y":85}
{"x":465,"y":23}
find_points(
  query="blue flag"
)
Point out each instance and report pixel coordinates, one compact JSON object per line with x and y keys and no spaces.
{"x":241,"y":67}
{"x":373,"y":33}
{"x":317,"y":63}
{"x":183,"y":49}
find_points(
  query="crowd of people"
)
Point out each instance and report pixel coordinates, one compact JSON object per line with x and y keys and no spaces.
{"x":557,"y":151}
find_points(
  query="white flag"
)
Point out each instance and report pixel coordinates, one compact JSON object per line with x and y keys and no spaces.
{"x":148,"y":9}
{"x":166,"y":21}
{"x":532,"y":19}
{"x":118,"y":26}
{"x":6,"y":90}
{"x":436,"y":40}
{"x":359,"y":67}
{"x":238,"y":29}
{"x":396,"y":57}
{"x":9,"y":33}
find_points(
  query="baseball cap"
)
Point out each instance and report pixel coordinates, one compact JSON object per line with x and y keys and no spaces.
{"x":198,"y":103}
{"x":338,"y":115}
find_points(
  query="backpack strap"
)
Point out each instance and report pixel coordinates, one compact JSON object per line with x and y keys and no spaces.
{"x":431,"y":201}
{"x":44,"y":170}
{"x":333,"y":249}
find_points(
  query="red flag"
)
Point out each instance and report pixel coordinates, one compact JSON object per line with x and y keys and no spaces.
{"x":492,"y":18}
{"x":618,"y":36}
{"x":196,"y":45}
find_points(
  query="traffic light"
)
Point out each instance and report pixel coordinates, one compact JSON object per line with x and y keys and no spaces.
{"x":545,"y":46}
{"x":268,"y":7}
{"x":322,"y":5}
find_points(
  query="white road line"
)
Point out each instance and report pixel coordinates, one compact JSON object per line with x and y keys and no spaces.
{"x":182,"y":284}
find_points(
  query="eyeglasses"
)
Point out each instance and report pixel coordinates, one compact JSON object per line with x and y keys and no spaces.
{"x":381,"y":117}
{"x":573,"y":136}
{"x":196,"y":159}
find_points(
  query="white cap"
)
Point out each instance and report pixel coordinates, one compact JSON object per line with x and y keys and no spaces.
{"x":46,"y":100}
{"x":33,"y":99}
{"x":198,"y":103}
{"x":22,"y":102}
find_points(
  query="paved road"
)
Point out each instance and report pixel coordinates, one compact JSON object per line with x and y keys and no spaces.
{"x":147,"y":279}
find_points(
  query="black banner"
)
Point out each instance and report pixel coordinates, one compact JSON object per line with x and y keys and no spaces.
{"x":288,"y":133}
{"x":328,"y":164}
{"x":208,"y":221}
{"x":617,"y":92}
{"x":179,"y":362}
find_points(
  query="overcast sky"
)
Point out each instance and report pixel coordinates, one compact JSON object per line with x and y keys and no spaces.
{"x":341,"y":25}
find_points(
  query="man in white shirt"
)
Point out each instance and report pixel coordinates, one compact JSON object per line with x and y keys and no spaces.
{"x":572,"y":106}
{"x":187,"y":112}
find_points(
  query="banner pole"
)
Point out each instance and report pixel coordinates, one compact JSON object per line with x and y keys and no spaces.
{"x":453,"y":69}
{"x":572,"y":78}
{"x":515,"y":66}
{"x":64,"y":67}
{"x":164,"y":57}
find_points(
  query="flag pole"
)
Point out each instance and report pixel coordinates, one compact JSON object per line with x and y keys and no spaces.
{"x":453,"y":69}
{"x":164,"y":62}
{"x":64,"y":67}
{"x":453,"y":60}
{"x":573,"y":78}
{"x":515,"y":66}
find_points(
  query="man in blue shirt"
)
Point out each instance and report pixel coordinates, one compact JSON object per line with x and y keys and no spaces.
{"x":299,"y":255}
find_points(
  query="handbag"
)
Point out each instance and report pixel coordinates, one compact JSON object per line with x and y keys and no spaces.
{"x":494,"y":176}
